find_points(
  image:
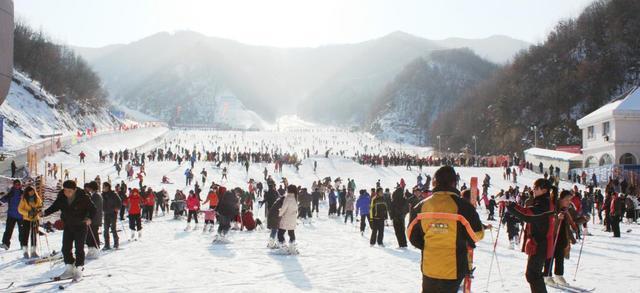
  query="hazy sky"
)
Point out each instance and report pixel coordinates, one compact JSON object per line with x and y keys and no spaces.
{"x":287,"y":23}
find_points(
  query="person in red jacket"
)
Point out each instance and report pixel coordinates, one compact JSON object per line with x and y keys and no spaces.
{"x":149,"y":204}
{"x":133,"y":204}
{"x":615,"y":210}
{"x":539,"y":237}
{"x":193,"y":205}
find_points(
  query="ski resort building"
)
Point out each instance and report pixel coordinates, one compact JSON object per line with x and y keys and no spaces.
{"x":611,"y":138}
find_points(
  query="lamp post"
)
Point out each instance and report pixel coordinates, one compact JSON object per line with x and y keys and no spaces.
{"x":535,"y":135}
{"x":439,"y":145}
{"x":475,"y":149}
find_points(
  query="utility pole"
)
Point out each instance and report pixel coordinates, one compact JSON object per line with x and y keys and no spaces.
{"x":475,"y":149}
{"x":535,"y":135}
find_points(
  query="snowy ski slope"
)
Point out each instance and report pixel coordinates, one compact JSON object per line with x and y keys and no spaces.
{"x":334,"y":256}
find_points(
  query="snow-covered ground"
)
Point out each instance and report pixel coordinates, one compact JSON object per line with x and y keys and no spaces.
{"x":30,"y":112}
{"x":334,"y":256}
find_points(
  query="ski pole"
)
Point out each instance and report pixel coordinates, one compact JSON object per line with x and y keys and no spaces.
{"x":46,"y":238}
{"x":495,"y":244}
{"x":584,"y":237}
{"x":37,"y":234}
{"x":123,"y":230}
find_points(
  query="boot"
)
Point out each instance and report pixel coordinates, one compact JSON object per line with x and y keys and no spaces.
{"x":211,"y":228}
{"x":272,"y":243}
{"x":293,"y":249}
{"x":586,"y":232}
{"x":25,"y":252}
{"x":549,"y":281}
{"x":188,"y":227}
{"x":139,"y":234}
{"x":93,"y":253}
{"x":68,"y":272}
{"x":4,"y":246}
{"x":77,"y":273}
{"x":34,"y":254}
{"x":204,"y":229}
{"x":283,"y":248}
{"x":560,"y":281}
{"x":133,"y":235}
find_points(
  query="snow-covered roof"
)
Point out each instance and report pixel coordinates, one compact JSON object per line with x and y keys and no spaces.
{"x":565,"y":156}
{"x":628,"y":105}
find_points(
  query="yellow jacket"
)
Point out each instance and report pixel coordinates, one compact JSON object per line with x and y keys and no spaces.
{"x":445,"y":227}
{"x":26,"y":206}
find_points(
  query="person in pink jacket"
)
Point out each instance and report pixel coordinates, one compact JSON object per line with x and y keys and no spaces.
{"x":193,"y":205}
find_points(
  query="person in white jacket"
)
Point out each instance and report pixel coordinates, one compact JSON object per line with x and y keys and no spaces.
{"x":288,"y":219}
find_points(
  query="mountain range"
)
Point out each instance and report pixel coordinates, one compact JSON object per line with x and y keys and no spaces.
{"x":180,"y":77}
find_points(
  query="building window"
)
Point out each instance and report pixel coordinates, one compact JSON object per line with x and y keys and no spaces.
{"x":605,"y":128}
{"x":605,"y":160}
{"x":591,"y":162}
{"x":628,"y":159}
{"x":590,"y":132}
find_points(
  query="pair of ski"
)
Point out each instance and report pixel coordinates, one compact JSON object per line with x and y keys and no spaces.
{"x":571,"y":289}
{"x":54,"y":256}
{"x":27,"y":287}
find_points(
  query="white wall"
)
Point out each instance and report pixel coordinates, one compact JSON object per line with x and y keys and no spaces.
{"x":624,"y":137}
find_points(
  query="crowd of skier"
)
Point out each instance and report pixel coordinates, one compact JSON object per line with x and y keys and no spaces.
{"x":441,"y":210}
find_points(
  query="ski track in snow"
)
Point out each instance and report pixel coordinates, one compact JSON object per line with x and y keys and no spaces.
{"x":334,"y":257}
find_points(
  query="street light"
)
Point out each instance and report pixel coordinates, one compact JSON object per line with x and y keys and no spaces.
{"x":535,"y":135}
{"x":439,"y":145}
{"x":475,"y":149}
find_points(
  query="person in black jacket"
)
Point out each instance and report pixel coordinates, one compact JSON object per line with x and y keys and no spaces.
{"x":538,"y":235}
{"x":14,"y":168}
{"x":492,"y":208}
{"x":227,"y":210}
{"x":378,"y":213}
{"x":122,"y":192}
{"x":398,"y":212}
{"x":111,"y":204}
{"x":77,"y":210}
{"x":315,"y":201}
{"x":342,"y":200}
{"x":93,"y":239}
{"x":270,"y":197}
{"x":273,"y":221}
{"x":606,"y":208}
